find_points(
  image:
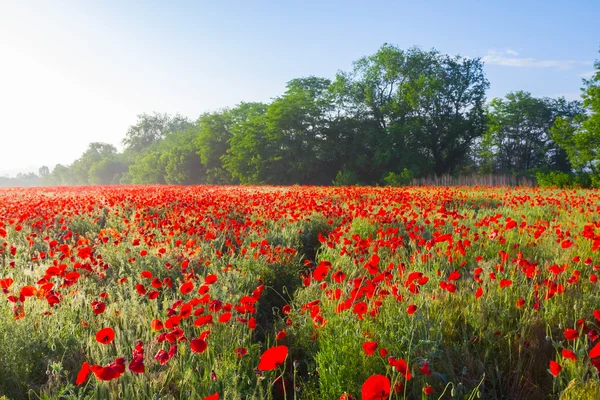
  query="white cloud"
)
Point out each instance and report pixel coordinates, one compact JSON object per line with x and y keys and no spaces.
{"x":509,"y":59}
{"x":588,"y":75}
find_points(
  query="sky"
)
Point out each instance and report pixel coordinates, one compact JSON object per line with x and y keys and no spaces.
{"x":75,"y":72}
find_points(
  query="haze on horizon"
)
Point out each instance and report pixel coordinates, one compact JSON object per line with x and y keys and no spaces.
{"x":75,"y":72}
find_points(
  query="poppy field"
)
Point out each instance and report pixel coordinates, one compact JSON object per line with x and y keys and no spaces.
{"x":224,"y":292}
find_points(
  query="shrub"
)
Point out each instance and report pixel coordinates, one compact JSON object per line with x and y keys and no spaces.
{"x":563,"y":179}
{"x":404,"y":178}
{"x":345,"y":178}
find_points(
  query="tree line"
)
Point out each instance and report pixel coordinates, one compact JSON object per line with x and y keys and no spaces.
{"x":395,"y":115}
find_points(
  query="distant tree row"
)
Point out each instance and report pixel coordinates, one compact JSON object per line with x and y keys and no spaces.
{"x":396,"y":115}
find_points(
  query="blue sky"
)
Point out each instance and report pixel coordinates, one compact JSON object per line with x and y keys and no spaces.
{"x":73,"y":72}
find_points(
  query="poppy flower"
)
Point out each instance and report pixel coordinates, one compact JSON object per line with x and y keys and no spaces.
{"x":425,"y":369}
{"x":479,"y":292}
{"x":137,"y":365}
{"x":105,"y":335}
{"x":146,"y":274}
{"x":212,"y":397}
{"x":376,"y":387}
{"x":240,"y":352}
{"x":555,"y":368}
{"x":198,"y":345}
{"x":569,"y":354}
{"x":369,"y":348}
{"x":571,"y":334}
{"x":320,"y":272}
{"x":98,"y":307}
{"x":186,"y":288}
{"x":595,"y":352}
{"x":401,"y":366}
{"x":411,"y":309}
{"x":428,"y":390}
{"x":83,"y":374}
{"x":156,"y":325}
{"x":272,"y":358}
{"x":140,"y":289}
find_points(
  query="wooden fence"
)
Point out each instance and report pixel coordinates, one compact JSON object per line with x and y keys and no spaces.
{"x":475,"y":180}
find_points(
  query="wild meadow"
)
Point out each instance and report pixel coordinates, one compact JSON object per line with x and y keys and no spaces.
{"x":247,"y":292}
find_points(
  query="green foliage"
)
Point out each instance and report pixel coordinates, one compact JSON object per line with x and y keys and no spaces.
{"x":345,"y":178}
{"x":148,"y":169}
{"x":402,"y":179}
{"x":518,"y":139}
{"x":554,"y":178}
{"x":107,"y":171}
{"x":395,"y":110}
{"x":580,"y":137}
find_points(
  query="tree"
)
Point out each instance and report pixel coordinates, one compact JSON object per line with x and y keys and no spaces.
{"x":212,"y":140}
{"x":62,"y":176}
{"x":580,"y":136}
{"x":147,"y":169}
{"x":518,"y":133}
{"x":181,"y":160}
{"x":150,"y":129}
{"x":447,"y":108}
{"x":107,"y":171}
{"x":95,"y":153}
{"x":373,"y":113}
{"x":44,"y":171}
{"x":298,"y":125}
{"x":247,"y":159}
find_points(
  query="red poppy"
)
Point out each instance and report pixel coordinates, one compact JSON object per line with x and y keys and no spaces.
{"x":162,"y":357}
{"x":240,"y":352}
{"x":137,"y":365}
{"x":555,"y":368}
{"x":27,"y":291}
{"x":172,"y":322}
{"x":212,"y":397}
{"x":186,"y":288}
{"x":140,"y":289}
{"x":595,"y":352}
{"x":98,"y":307}
{"x":411,"y":309}
{"x":198,"y":345}
{"x":425,"y":369}
{"x":571,"y":334}
{"x":569,"y":354}
{"x":272,"y":358}
{"x":111,"y":371}
{"x":369,"y":347}
{"x":105,"y":335}
{"x":320,"y":272}
{"x":156,"y":324}
{"x":376,"y":387}
{"x":146,"y":274}
{"x":401,"y":366}
{"x":83,"y":374}
{"x":479,"y":292}
{"x":225,"y":317}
